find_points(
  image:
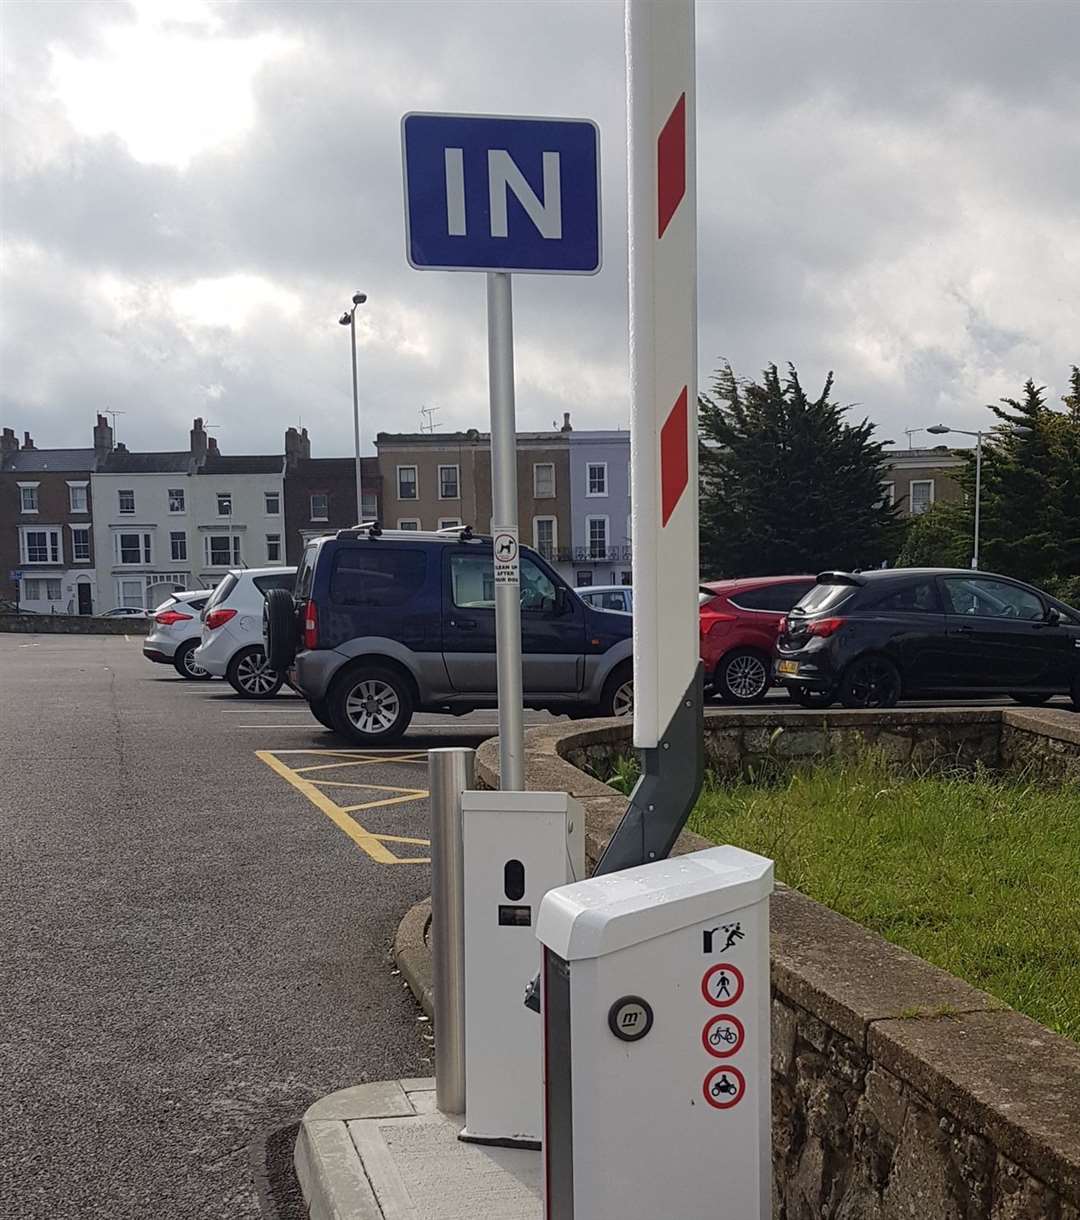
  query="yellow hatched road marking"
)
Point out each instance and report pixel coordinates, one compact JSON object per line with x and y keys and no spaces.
{"x":341,"y":815}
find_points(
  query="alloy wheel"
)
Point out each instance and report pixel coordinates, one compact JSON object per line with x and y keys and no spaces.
{"x":191,"y":666}
{"x":873,"y":684}
{"x":622,"y":702}
{"x":372,"y":706}
{"x":746,"y":677}
{"x":254,"y":675}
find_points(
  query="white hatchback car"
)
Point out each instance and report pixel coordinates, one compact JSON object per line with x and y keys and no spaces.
{"x":176,"y":632}
{"x":608,"y":597}
{"x":232,"y":631}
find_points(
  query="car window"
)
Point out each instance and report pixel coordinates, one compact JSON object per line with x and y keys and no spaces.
{"x":472,"y":584}
{"x":611,"y":601}
{"x":537,"y":588}
{"x":197,"y":603}
{"x":279,"y":580}
{"x":377,"y":575}
{"x":225,"y":587}
{"x":778,"y":597}
{"x":912,"y":597}
{"x":987,"y":598}
{"x":825,"y":596}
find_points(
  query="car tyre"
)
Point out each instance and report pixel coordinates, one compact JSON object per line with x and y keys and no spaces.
{"x":320,"y":709}
{"x":805,"y":697}
{"x":743,"y":676}
{"x":1033,"y":700}
{"x":186,"y":665}
{"x":279,"y":629}
{"x":618,"y":696}
{"x":251,"y":675}
{"x":370,"y":705}
{"x":870,"y":682}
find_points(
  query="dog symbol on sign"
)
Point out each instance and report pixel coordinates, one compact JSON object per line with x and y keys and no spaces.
{"x":506,"y":548}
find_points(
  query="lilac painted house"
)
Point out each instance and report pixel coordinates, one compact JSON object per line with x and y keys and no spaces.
{"x":600,"y":508}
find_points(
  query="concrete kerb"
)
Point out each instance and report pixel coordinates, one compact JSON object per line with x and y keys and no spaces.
{"x":412,"y":955}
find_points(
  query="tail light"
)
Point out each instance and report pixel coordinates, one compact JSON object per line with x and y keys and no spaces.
{"x":218,"y":618}
{"x":824,"y":626}
{"x":311,"y":626}
{"x":167,"y":617}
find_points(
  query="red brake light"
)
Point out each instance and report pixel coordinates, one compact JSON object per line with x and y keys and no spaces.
{"x":311,"y":626}
{"x":218,"y":618}
{"x":167,"y":617}
{"x":825,"y":626}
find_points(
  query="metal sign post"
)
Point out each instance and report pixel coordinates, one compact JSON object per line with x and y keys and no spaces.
{"x":499,"y":194}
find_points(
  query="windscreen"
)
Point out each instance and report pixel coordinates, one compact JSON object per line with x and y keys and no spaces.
{"x":823,"y":597}
{"x":223,"y":590}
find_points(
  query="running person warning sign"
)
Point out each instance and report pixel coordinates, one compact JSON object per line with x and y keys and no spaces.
{"x":507,"y":564}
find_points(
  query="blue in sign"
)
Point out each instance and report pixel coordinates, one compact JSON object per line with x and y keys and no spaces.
{"x":501,"y":194}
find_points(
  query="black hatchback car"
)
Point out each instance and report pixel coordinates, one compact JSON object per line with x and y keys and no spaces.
{"x":870,"y":638}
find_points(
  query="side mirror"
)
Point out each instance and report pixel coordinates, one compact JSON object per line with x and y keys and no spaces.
{"x":1053,"y":616}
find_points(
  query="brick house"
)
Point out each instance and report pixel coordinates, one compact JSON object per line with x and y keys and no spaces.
{"x":46,"y":525}
{"x":320,"y":493}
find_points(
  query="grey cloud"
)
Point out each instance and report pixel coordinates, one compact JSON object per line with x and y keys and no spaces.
{"x":834,"y":140}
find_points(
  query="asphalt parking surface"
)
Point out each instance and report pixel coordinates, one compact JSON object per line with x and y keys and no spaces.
{"x":194,"y":951}
{"x":199,"y":895}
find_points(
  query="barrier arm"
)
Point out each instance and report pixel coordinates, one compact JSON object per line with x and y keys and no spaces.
{"x":668,"y":695}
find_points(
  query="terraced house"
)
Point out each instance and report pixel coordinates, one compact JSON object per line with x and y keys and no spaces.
{"x":46,"y":537}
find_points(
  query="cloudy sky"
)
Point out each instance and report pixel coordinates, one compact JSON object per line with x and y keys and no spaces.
{"x":192,"y":192}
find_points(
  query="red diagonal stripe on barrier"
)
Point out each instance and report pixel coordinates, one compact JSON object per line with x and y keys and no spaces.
{"x":671,"y":165}
{"x":674,"y":457}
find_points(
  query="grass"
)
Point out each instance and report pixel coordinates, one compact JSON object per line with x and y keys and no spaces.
{"x":979,"y":875}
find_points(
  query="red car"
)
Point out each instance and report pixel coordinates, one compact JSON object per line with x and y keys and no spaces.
{"x":740,"y":620}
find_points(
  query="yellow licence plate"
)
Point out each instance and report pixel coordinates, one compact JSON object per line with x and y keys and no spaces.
{"x":788,"y":667}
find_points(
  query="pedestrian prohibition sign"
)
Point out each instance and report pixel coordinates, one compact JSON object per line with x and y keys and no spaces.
{"x":722,"y":984}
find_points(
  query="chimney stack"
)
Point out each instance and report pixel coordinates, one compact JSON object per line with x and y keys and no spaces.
{"x":103,"y":438}
{"x":28,"y":441}
{"x":198,"y":443}
{"x":297,"y":447}
{"x":211,"y":446}
{"x":9,"y":442}
{"x":566,"y":425}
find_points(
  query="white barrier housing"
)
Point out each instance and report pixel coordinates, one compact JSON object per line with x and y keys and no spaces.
{"x":517,"y":846}
{"x":656,"y":1067}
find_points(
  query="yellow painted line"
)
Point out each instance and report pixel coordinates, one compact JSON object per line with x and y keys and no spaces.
{"x":341,"y":815}
{"x":362,"y":838}
{"x":390,"y":800}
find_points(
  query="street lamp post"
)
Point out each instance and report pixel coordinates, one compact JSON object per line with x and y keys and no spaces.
{"x":349,"y":319}
{"x":941,"y":430}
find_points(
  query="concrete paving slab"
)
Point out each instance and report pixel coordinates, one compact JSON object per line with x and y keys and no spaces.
{"x":409,"y":1167}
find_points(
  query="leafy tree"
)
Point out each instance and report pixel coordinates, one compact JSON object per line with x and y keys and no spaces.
{"x":1030,"y":502}
{"x":786,"y":484}
{"x":1022,"y":531}
{"x":939,"y":538}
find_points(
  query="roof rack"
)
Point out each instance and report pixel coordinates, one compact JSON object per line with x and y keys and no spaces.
{"x":373,"y":530}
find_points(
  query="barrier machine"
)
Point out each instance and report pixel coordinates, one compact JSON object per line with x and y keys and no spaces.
{"x":655,"y":979}
{"x":656,"y":1014}
{"x":518,"y":845}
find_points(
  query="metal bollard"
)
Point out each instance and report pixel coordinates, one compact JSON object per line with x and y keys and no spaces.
{"x":450,"y":773}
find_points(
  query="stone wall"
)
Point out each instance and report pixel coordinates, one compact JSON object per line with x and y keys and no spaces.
{"x":899,"y":1091}
{"x":1042,"y":742}
{"x":73,"y":624}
